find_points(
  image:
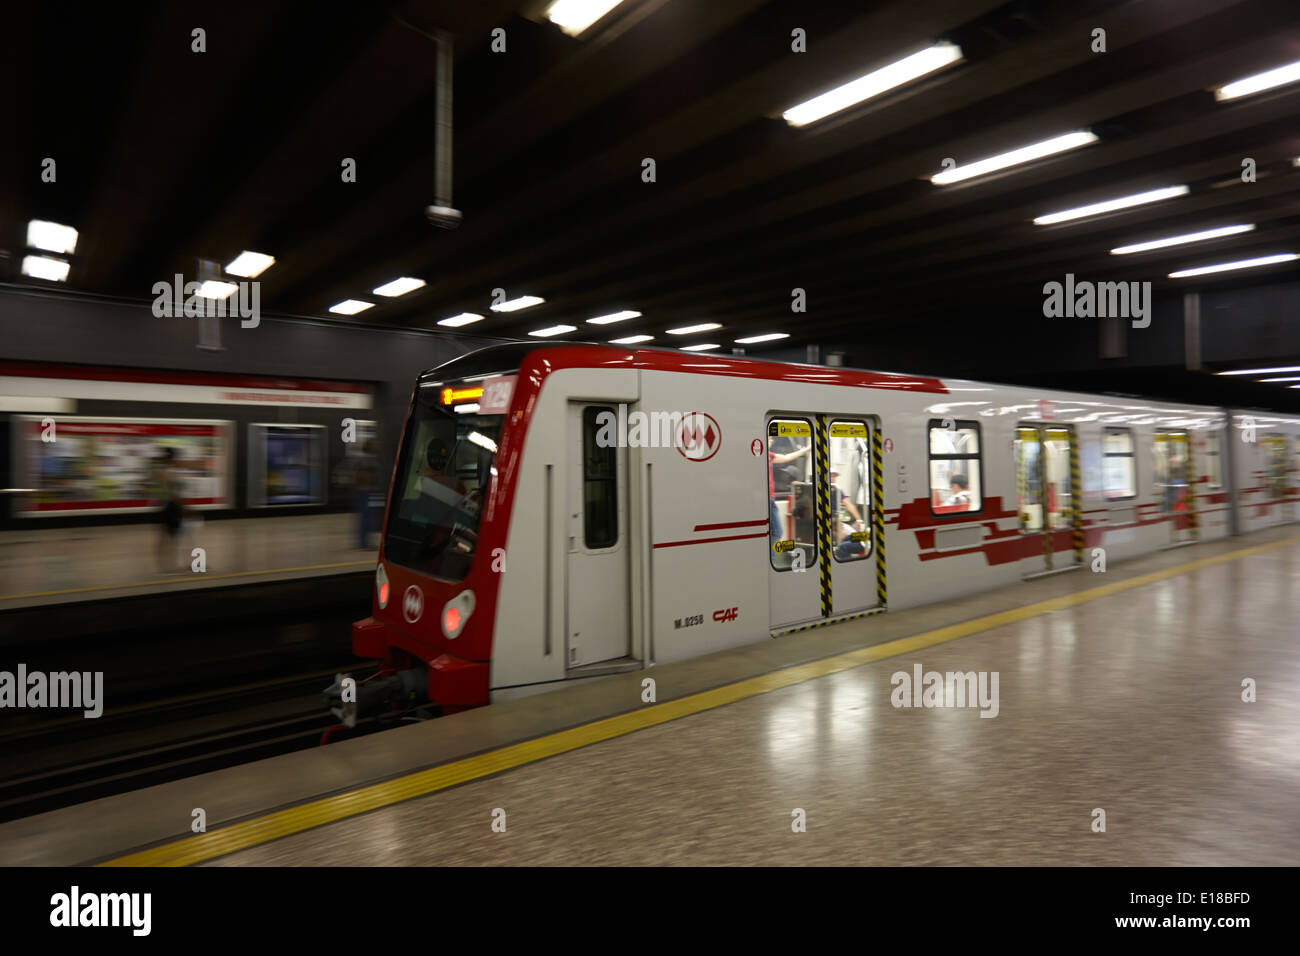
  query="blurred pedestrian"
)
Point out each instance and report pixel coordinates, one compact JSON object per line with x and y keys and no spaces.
{"x":365,"y":483}
{"x":172,"y":513}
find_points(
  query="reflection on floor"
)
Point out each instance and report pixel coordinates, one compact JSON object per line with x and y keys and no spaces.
{"x":1131,"y":704}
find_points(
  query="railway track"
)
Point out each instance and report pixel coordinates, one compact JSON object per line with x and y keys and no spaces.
{"x":64,"y":762}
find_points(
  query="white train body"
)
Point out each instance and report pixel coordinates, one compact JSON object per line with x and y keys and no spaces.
{"x":680,"y":537}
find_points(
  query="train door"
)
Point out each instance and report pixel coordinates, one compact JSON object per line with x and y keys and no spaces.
{"x":1046,"y":460}
{"x":598,"y":624}
{"x":794,"y":555}
{"x":850,"y":510}
{"x":1276,"y":476}
{"x":1174,"y":477}
{"x":822,"y":556}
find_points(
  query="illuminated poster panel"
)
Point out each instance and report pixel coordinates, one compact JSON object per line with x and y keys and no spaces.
{"x":83,"y":465}
{"x":286,"y":465}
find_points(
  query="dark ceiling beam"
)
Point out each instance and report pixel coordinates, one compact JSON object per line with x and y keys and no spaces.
{"x":165,"y":126}
{"x":965,"y":90}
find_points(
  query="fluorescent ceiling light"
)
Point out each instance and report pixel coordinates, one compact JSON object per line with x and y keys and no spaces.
{"x":250,"y":265}
{"x":1279,"y":76}
{"x":399,"y":286}
{"x":482,"y":441}
{"x":1285,"y":378}
{"x":699,"y":348}
{"x":43,"y":267}
{"x":350,"y":307}
{"x":1024,"y":154}
{"x":1179,"y":240}
{"x":574,"y":16}
{"x":51,"y":236}
{"x":465,"y":318}
{"x":770,"y":337}
{"x":1110,"y":205}
{"x":215,"y":289}
{"x":613,"y":317}
{"x":1261,"y":371}
{"x":632,"y":340}
{"x":688,"y":329}
{"x":1239,"y":264}
{"x":874,"y":83}
{"x":553,"y":330}
{"x":523,"y":302}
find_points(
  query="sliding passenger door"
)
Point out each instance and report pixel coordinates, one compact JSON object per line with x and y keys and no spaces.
{"x":794,"y":555}
{"x":823,"y":518}
{"x":1047,"y":465}
{"x":599,"y":554}
{"x":1175,"y":491}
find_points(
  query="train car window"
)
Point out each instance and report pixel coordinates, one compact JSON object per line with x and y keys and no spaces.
{"x":599,"y":483}
{"x":850,"y":489}
{"x":442,"y":476}
{"x":1119,"y":472}
{"x":955,"y":468}
{"x":1169,"y":458}
{"x":1213,"y":468}
{"x":791,"y":494}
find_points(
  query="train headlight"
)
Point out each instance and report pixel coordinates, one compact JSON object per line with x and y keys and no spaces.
{"x":381,"y":586}
{"x":456,"y":612}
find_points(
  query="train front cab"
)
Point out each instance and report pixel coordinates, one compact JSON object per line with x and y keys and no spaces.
{"x":441,"y":552}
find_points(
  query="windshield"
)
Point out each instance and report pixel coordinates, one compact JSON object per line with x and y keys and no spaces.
{"x":441,"y":481}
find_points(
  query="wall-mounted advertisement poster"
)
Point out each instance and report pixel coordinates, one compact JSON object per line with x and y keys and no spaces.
{"x":286,"y":465}
{"x":82,"y":465}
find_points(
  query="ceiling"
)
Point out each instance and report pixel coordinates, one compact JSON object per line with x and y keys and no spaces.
{"x":165,"y":155}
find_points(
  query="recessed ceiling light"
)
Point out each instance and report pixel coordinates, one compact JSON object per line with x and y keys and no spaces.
{"x":250,"y":265}
{"x":350,"y":307}
{"x":1110,"y":205}
{"x":1015,"y":157}
{"x":1239,"y":264}
{"x":574,"y":16}
{"x":523,"y":302}
{"x":769,"y":337}
{"x":215,"y":289}
{"x":43,"y":267}
{"x":689,"y":329}
{"x":632,"y":340}
{"x":1278,"y":76}
{"x":699,"y":348}
{"x":553,"y":330}
{"x":1179,"y":240}
{"x":874,"y":83}
{"x":465,"y":318}
{"x":51,"y":236}
{"x":1261,"y":371}
{"x":613,"y":317}
{"x":399,"y":287}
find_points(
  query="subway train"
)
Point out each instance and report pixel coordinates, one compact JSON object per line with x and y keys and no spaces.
{"x":559,"y":513}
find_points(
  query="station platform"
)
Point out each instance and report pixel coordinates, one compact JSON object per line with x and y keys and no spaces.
{"x":41,"y":566}
{"x":1120,"y":691}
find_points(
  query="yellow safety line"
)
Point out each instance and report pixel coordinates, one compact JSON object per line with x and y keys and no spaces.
{"x":282,"y":823}
{"x":190,"y":580}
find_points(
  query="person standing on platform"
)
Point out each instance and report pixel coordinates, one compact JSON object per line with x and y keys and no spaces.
{"x":365,"y":482}
{"x":171,"y":493}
